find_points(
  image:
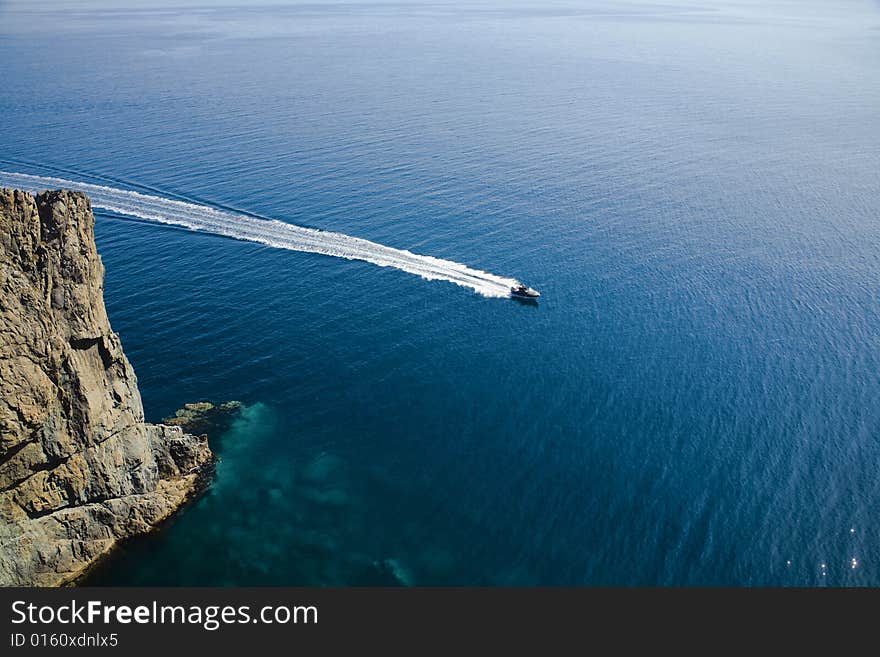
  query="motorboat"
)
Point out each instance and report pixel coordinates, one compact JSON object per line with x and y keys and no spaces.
{"x":524,"y":292}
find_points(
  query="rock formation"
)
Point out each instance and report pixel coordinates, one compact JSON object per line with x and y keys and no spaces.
{"x":79,"y":468}
{"x":205,"y":418}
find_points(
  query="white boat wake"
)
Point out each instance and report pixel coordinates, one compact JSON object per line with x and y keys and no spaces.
{"x":270,"y":232}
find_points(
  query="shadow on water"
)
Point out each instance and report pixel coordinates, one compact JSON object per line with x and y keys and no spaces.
{"x":531,"y":303}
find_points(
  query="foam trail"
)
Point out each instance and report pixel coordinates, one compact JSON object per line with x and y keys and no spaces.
{"x":273,"y":233}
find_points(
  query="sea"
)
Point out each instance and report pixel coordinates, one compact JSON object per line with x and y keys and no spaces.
{"x":318,"y":209}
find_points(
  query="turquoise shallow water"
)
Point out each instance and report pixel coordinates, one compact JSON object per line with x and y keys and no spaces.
{"x":693,"y":188}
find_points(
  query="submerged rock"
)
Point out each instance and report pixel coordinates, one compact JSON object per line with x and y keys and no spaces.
{"x":80,"y":470}
{"x":321,"y":468}
{"x":396,"y":570}
{"x":335,"y":497}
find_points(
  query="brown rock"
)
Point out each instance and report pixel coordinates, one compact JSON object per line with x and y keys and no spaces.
{"x":79,"y":468}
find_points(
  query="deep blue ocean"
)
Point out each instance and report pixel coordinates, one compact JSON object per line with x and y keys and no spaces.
{"x":694,"y":187}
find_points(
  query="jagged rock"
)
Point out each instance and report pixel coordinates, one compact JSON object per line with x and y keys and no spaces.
{"x":204,"y":417}
{"x":79,"y":468}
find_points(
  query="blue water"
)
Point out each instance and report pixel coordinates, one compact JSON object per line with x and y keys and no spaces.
{"x":693,"y":187}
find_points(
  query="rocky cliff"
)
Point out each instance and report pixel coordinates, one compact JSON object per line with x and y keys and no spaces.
{"x":79,"y":468}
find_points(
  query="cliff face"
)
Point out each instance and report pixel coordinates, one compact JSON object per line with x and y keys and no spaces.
{"x":79,"y":468}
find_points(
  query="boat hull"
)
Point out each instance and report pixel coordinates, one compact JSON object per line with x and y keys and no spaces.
{"x":528,"y":294}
